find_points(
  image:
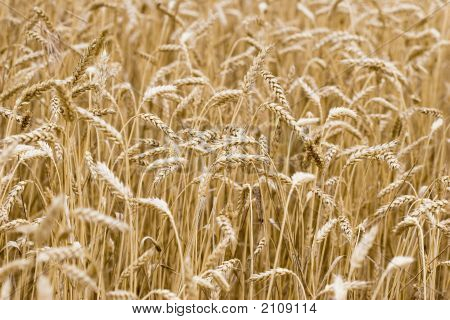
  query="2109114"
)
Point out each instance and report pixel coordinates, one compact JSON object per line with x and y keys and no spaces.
{"x":288,"y":307}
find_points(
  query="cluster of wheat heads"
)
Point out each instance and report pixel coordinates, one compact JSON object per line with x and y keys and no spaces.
{"x":224,"y":149}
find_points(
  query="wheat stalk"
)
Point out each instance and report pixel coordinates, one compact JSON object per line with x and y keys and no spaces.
{"x":91,"y":215}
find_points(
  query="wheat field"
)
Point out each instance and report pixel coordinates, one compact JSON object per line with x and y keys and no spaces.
{"x":224,"y":149}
